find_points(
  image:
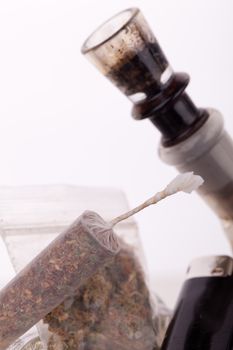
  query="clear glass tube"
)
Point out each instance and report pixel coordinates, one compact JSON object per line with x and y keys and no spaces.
{"x":126,"y":51}
{"x":29,"y":341}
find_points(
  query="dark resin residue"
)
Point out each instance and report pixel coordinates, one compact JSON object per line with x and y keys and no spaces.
{"x":165,"y":103}
{"x":141,"y":72}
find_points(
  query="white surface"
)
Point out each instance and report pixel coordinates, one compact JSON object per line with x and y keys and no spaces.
{"x":62,"y":122}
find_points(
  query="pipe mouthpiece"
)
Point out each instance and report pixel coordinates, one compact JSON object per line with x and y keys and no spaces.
{"x":125,"y":50}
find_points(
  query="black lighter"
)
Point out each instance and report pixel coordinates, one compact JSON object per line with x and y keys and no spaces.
{"x":203,"y":316}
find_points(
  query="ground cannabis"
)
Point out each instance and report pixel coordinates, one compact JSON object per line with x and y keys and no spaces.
{"x":111,"y":311}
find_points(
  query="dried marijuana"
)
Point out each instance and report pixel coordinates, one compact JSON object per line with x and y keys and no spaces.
{"x":55,"y":274}
{"x":111,"y":311}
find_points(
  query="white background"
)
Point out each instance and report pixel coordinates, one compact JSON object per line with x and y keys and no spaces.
{"x":62,"y":122}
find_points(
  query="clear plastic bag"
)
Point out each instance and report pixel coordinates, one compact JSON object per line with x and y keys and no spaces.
{"x":114,"y":309}
{"x":111,"y":311}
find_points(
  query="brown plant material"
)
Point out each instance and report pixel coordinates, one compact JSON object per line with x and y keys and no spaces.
{"x":55,"y":274}
{"x":111,"y":311}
